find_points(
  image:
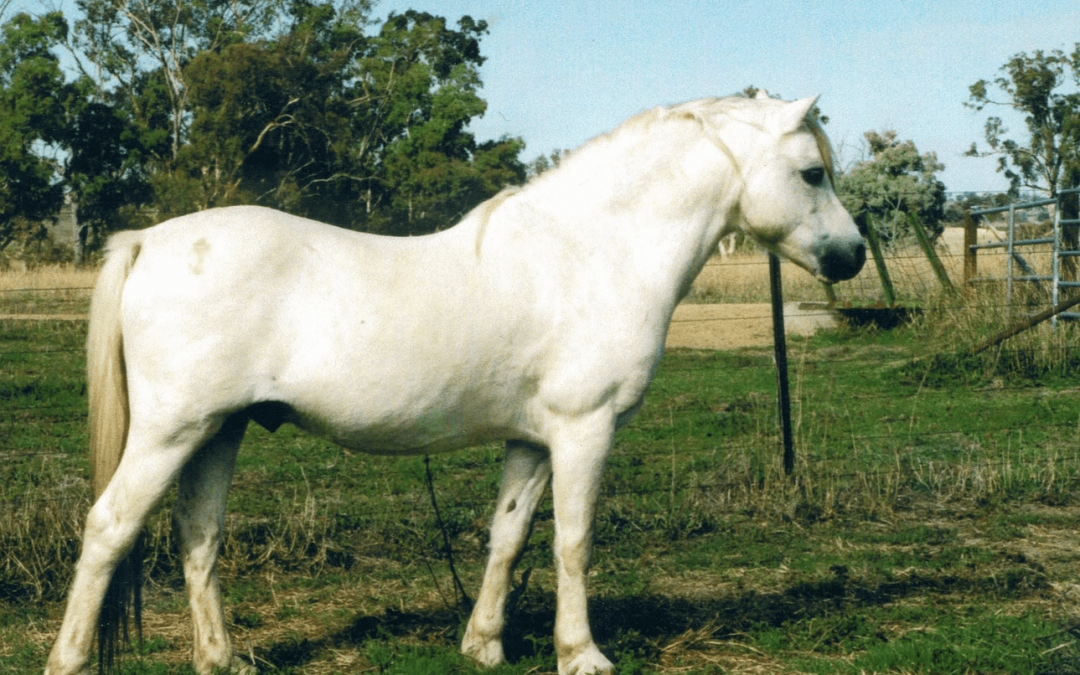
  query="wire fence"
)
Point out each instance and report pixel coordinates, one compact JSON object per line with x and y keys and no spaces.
{"x":13,"y":413}
{"x":44,"y":311}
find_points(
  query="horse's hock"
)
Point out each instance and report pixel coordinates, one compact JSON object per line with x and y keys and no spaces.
{"x":733,"y":326}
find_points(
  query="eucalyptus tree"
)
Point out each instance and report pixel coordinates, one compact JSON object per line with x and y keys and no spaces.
{"x":1038,"y":88}
{"x":139,"y":49}
{"x":420,"y":81}
{"x":305,"y":105}
{"x":895,"y":180}
{"x":1042,"y":88}
{"x":32,"y":98}
{"x":327,"y":121}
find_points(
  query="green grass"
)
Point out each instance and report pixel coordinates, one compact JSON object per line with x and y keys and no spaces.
{"x":929,"y":527}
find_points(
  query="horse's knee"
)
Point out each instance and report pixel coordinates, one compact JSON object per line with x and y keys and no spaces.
{"x":199,"y":556}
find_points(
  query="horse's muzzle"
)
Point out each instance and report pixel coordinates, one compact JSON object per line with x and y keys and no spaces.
{"x":839,"y":263}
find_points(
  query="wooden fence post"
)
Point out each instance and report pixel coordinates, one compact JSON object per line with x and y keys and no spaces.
{"x":931,"y":254}
{"x":879,"y":260}
{"x":830,"y":292}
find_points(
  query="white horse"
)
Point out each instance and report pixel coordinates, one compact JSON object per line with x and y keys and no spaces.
{"x":539,"y":319}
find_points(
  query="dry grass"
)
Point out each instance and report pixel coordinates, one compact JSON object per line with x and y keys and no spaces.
{"x":53,"y":292}
{"x":952,"y":326}
{"x":744,"y":276}
{"x":49,"y":277}
{"x":39,"y":537}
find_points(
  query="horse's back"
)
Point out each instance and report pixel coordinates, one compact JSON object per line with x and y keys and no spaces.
{"x":226,"y":274}
{"x":252,"y":255}
{"x":235,"y":241}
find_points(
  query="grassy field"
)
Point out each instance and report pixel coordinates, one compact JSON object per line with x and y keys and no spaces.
{"x":931,"y":525}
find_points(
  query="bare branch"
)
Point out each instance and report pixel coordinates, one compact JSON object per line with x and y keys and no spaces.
{"x":276,"y":124}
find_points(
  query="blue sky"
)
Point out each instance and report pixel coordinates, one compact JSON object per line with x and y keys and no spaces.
{"x":562,"y":71}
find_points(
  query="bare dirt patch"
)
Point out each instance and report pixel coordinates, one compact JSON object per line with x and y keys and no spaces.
{"x":734,"y":326}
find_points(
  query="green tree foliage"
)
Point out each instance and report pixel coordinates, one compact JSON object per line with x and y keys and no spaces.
{"x":1048,"y":160}
{"x":422,"y":79}
{"x":894,"y":181}
{"x":268,"y":119}
{"x":137,"y":51}
{"x":105,"y":169}
{"x":1034,"y":86}
{"x":545,"y":162}
{"x":302,"y":105}
{"x":32,"y":98}
{"x":362,"y":131}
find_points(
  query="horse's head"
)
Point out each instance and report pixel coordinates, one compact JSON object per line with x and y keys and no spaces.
{"x":787,"y":202}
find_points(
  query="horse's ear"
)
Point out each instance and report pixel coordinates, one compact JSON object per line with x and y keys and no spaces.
{"x":761,"y":95}
{"x":791,"y":116}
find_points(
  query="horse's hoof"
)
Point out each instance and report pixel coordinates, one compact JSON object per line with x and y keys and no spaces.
{"x":238,"y":666}
{"x":487,"y":653}
{"x":589,"y":662}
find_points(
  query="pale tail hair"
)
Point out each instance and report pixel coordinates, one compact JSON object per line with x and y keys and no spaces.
{"x":109,"y":420}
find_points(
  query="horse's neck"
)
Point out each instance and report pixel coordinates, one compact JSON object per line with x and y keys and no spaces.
{"x":652,"y":213}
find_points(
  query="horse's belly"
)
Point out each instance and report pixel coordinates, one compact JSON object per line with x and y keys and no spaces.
{"x":372,"y":427}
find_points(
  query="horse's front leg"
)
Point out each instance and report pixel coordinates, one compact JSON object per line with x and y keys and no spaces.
{"x":579,"y":451}
{"x":526,"y":472}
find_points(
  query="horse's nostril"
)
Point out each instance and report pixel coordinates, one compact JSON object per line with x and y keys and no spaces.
{"x":840,"y":263}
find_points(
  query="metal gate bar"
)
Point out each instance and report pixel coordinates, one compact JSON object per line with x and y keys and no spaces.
{"x":1015,"y":258}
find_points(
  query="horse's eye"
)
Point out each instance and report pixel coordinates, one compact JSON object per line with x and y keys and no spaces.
{"x":814,"y":176}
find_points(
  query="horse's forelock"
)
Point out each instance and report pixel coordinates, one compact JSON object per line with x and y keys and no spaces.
{"x":812,"y":124}
{"x":825,"y":147}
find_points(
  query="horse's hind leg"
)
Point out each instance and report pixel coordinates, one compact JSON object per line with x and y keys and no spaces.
{"x":145,"y":473}
{"x":525,"y":476}
{"x":200,"y":517}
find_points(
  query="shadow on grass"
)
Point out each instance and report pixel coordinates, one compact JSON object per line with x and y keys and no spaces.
{"x":642,"y":624}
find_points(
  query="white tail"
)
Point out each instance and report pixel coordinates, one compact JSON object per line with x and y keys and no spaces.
{"x":106,"y":378}
{"x":109,"y":418}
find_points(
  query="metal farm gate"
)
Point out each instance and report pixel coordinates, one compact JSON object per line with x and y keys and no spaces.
{"x":1018,"y":269}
